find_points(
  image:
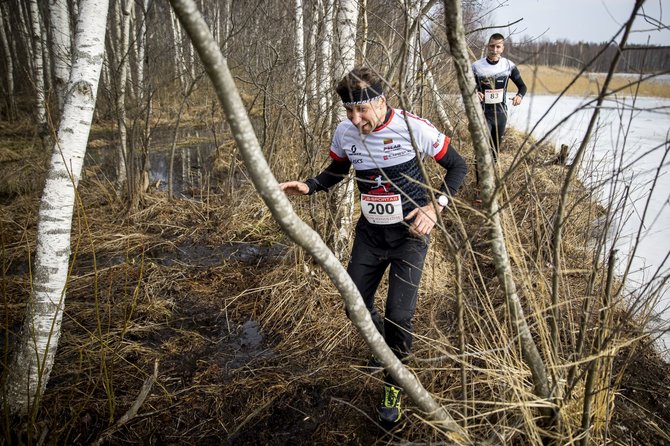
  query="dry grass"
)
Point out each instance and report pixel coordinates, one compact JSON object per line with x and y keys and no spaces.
{"x":553,"y":80}
{"x":304,"y":382}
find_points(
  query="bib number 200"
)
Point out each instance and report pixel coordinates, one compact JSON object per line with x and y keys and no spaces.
{"x":382,"y":209}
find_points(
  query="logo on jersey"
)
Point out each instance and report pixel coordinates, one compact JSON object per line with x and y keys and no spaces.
{"x":353,"y":148}
{"x":388,"y":141}
{"x":380,"y":187}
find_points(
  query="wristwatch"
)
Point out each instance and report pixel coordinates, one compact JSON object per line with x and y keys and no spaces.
{"x":443,"y":201}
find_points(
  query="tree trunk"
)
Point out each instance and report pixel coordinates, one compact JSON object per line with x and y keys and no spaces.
{"x":492,"y":210}
{"x":341,"y":199}
{"x":9,"y":65}
{"x":301,"y":69}
{"x":123,"y":160}
{"x":33,"y":361}
{"x":141,"y":51}
{"x":38,"y":68}
{"x":60,"y":43}
{"x":325,"y":79}
{"x":267,"y":185}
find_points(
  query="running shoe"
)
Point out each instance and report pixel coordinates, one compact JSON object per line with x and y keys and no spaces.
{"x":389,"y":411}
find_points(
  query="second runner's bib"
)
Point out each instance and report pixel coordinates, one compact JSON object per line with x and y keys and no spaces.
{"x":493,"y":96}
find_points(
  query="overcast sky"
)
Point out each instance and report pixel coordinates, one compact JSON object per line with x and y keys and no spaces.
{"x":575,"y":20}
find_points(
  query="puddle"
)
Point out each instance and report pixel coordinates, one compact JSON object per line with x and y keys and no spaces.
{"x":191,"y":167}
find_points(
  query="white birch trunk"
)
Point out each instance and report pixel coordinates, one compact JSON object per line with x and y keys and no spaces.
{"x":9,"y":64}
{"x":347,"y":20}
{"x":266,"y":184}
{"x":60,"y":46}
{"x":32,"y":364}
{"x":342,"y":198}
{"x":301,"y":69}
{"x":38,"y":66}
{"x":122,"y":78}
{"x":227,"y":25}
{"x":180,"y":67}
{"x":324,"y":87}
{"x":311,"y":56}
{"x":141,"y":50}
{"x":412,"y":48}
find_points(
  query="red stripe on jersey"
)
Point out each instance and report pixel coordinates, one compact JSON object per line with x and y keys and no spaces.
{"x":387,"y":122}
{"x":337,"y":158}
{"x":444,"y":149}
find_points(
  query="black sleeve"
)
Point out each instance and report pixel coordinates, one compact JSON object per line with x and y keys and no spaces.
{"x":331,"y":175}
{"x":516,"y":78}
{"x":456,"y":170}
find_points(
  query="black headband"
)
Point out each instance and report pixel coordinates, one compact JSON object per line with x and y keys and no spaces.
{"x":361,"y":96}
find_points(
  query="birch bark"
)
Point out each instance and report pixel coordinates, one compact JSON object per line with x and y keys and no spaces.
{"x":341,"y":200}
{"x":60,"y":46}
{"x":32,"y":364}
{"x":301,"y":69}
{"x":325,"y":79}
{"x":38,"y":67}
{"x":9,"y":64}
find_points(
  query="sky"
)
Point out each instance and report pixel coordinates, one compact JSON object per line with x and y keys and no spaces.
{"x":585,"y":20}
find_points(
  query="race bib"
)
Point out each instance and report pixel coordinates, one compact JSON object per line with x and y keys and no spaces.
{"x":493,"y":96}
{"x":382,"y":209}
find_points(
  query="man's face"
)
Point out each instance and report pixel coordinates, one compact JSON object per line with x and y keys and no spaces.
{"x":494,"y":50}
{"x":369,"y":116}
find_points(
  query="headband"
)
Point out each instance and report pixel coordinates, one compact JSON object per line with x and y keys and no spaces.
{"x":361,"y":96}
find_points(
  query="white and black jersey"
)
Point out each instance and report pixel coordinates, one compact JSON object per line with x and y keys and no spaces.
{"x":493,"y":78}
{"x":386,"y":162}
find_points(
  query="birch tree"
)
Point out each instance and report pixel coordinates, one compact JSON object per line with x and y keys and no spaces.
{"x":31,"y":365}
{"x":492,"y":210}
{"x":38,"y":67}
{"x":300,"y":66}
{"x":410,"y":63}
{"x":9,"y":64}
{"x":342,"y":196}
{"x":265,"y":182}
{"x":60,"y":46}
{"x":141,"y":43}
{"x":325,"y":78}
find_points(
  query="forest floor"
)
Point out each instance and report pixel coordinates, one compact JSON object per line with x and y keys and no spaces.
{"x":248,"y":338}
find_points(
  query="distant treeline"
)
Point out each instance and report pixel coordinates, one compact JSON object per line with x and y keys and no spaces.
{"x":597,"y":57}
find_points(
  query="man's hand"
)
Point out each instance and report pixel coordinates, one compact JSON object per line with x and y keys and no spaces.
{"x":481,"y":96}
{"x":516,"y":100}
{"x":424,"y":219}
{"x":294,"y":188}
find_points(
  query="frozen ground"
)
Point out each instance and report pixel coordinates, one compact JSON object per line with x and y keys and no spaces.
{"x":627,"y":158}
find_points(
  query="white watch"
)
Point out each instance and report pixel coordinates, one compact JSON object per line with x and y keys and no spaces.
{"x":443,"y":201}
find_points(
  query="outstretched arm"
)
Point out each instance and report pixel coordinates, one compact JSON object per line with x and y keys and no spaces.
{"x":331,"y":175}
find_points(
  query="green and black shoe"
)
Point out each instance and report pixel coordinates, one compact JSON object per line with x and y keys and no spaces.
{"x":389,"y":411}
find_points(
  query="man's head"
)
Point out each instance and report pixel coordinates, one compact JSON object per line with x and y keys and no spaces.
{"x":363,"y":96}
{"x":495,"y":47}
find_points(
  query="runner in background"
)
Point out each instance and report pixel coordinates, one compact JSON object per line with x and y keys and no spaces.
{"x":397,"y":213}
{"x":492,"y":74}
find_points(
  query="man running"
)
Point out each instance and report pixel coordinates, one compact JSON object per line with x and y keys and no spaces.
{"x":397,"y":213}
{"x":492,"y":74}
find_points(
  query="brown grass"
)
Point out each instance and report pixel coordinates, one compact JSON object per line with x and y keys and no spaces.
{"x":305,"y":384}
{"x":553,"y":80}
